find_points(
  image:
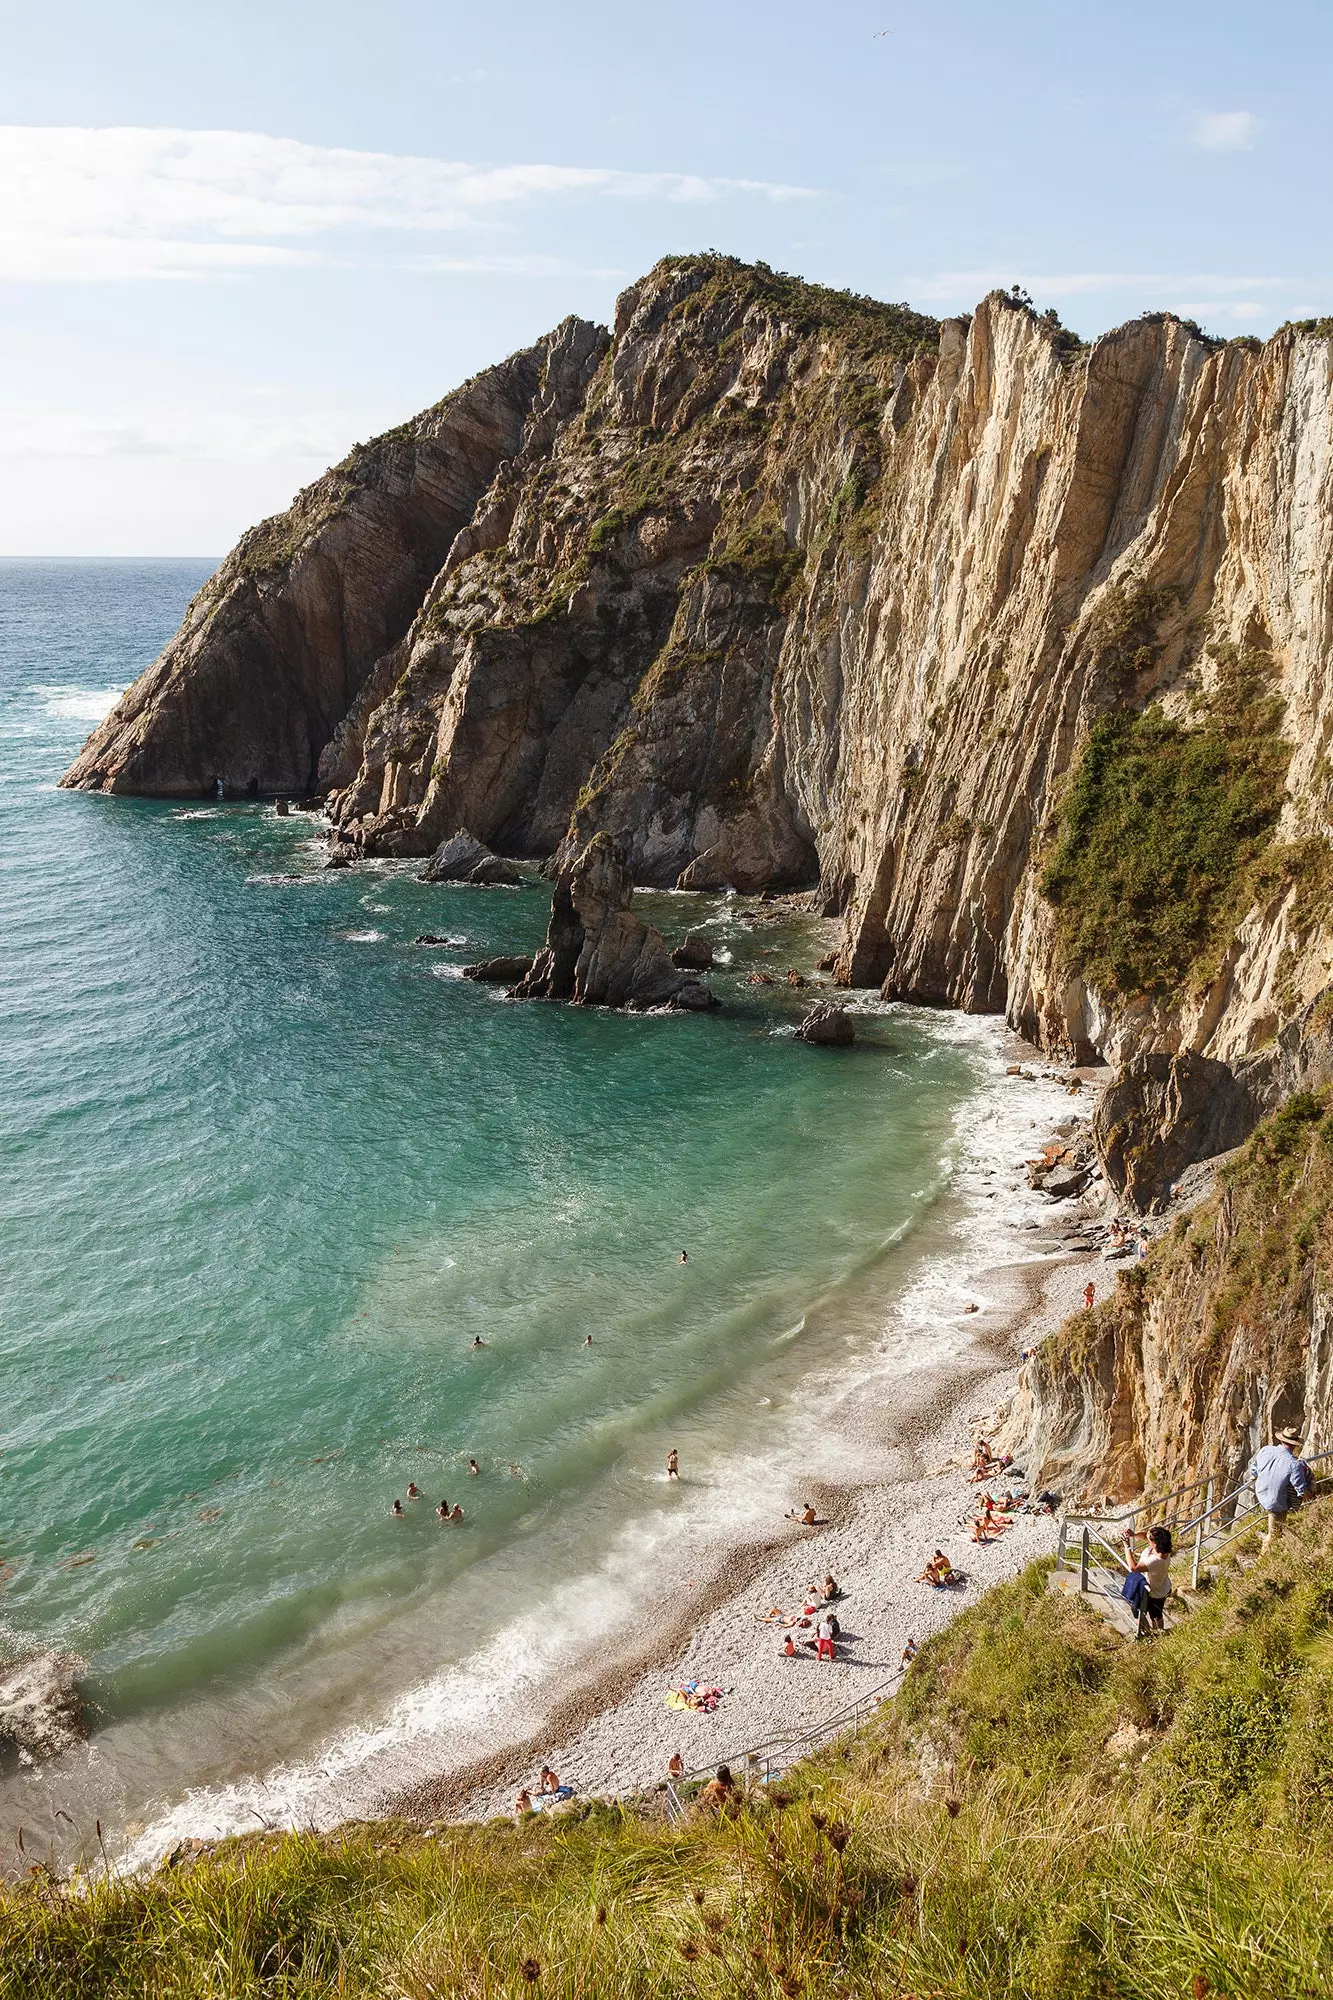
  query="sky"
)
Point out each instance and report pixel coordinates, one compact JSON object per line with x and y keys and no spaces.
{"x":237,"y":238}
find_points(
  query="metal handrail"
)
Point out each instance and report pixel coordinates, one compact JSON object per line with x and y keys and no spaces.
{"x":1091,"y":1526}
{"x":1153,"y":1502}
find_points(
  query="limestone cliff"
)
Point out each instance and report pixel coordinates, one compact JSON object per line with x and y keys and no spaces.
{"x":1201,"y":1354}
{"x":280,"y":644}
{"x":1017,"y":651}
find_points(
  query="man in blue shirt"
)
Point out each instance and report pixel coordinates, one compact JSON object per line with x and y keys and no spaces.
{"x":1281,"y":1480}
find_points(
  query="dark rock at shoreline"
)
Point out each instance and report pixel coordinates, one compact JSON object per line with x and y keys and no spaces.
{"x":499,"y":971}
{"x":340,"y":857}
{"x":828,"y":1027}
{"x":41,"y":1712}
{"x":597,"y":952}
{"x":463,"y":858}
{"x":693,"y":954}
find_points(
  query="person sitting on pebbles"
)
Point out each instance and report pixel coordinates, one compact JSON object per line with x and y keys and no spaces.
{"x":805,"y":1514}
{"x":937,"y":1571}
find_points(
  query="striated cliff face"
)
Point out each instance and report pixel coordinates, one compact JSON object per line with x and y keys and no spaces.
{"x":1200,"y":1355}
{"x":278,"y":646}
{"x":1002,"y":645}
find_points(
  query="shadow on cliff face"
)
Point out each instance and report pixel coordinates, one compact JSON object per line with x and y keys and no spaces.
{"x":1222,"y":1337}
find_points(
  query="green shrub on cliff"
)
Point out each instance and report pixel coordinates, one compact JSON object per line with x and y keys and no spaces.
{"x":1160,"y":835}
{"x":1045,"y":1811}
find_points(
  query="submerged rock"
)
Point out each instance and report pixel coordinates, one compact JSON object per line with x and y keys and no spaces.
{"x":693,"y":954}
{"x":462,"y":858}
{"x":829,"y":1027}
{"x":40,"y":1709}
{"x":499,"y":971}
{"x":597,"y":952}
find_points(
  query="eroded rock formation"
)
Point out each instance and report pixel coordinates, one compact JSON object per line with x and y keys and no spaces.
{"x":774,"y":586}
{"x":598,"y":953}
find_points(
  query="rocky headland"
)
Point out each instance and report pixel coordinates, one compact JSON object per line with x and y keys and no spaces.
{"x":1015,"y":652}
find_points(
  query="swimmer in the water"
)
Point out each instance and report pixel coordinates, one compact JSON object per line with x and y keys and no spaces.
{"x":683,"y":1258}
{"x":587,"y":1340}
{"x":473,"y":1467}
{"x":455,"y":1512}
{"x":673,"y":1463}
{"x":478,"y":1342}
{"x":413,"y":1490}
{"x":443,"y":1510}
{"x":397,"y":1510}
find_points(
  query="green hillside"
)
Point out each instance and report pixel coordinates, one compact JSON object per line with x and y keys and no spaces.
{"x":1046,"y":1810}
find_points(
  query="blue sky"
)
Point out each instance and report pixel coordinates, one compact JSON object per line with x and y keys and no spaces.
{"x":235,"y":238}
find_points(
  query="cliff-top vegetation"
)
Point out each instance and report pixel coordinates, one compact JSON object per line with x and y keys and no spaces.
{"x":1163,"y":827}
{"x":1045,"y":1811}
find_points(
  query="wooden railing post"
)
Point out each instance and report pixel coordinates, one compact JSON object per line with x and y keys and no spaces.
{"x":1198,"y":1535}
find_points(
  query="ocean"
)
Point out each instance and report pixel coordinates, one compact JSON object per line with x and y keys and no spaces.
{"x":268,"y":1167}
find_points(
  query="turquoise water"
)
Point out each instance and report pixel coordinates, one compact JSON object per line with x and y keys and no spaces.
{"x":269,"y":1167}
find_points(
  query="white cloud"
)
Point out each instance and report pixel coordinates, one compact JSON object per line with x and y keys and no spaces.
{"x":243,"y":436}
{"x":80,"y":202}
{"x":1224,"y":131}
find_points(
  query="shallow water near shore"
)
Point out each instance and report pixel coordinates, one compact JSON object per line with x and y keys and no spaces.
{"x":270,"y":1166}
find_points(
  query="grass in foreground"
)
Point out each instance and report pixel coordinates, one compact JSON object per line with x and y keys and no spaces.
{"x":1045,"y":1811}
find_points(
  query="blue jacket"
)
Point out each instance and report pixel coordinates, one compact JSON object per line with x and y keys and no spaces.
{"x":1281,"y":1480}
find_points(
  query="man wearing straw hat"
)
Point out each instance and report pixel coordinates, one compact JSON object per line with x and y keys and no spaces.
{"x":1281,"y":1479}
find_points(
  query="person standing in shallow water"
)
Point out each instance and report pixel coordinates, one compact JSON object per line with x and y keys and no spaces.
{"x":673,"y":1463}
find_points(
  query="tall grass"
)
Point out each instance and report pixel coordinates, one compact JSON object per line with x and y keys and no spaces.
{"x":1045,"y":1811}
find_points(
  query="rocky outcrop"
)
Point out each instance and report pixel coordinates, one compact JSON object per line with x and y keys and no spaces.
{"x":1161,"y":1114}
{"x":41,"y":1712}
{"x":462,"y":858}
{"x":597,"y":952}
{"x":775,"y":586}
{"x":1223,"y":1337}
{"x":280,"y":649}
{"x":694,"y":953}
{"x":499,"y":971}
{"x":828,"y":1027}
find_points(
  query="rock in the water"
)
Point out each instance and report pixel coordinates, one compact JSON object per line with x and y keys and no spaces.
{"x":597,"y":952}
{"x":40,"y":1709}
{"x":499,"y":971}
{"x":455,"y":858}
{"x":462,"y":858}
{"x":693,"y":954}
{"x":828,"y":1026}
{"x":495,"y":873}
{"x":429,"y":937}
{"x":694,"y":997}
{"x":339,"y":857}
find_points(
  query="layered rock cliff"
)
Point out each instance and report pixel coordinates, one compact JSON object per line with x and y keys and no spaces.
{"x":1017,"y":652}
{"x":1203,"y":1353}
